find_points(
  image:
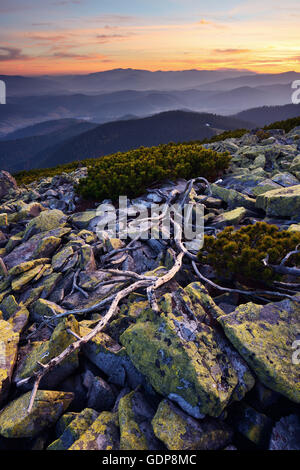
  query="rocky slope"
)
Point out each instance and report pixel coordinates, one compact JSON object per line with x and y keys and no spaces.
{"x":195,"y":368}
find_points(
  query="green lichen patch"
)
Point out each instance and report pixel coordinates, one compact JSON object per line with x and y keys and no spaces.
{"x":264,"y":336}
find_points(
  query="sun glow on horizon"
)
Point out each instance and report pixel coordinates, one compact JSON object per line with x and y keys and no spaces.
{"x":83,"y":37}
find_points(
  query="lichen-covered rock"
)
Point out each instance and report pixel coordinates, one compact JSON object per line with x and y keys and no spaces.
{"x":295,"y":165}
{"x":233,"y":217}
{"x":135,"y":416}
{"x":25,"y":278}
{"x":178,"y":431}
{"x":74,"y":430}
{"x":16,"y":314}
{"x":87,"y":259}
{"x":232,"y":197}
{"x":48,"y":406}
{"x":8,"y":354}
{"x":286,"y":434}
{"x":61,"y":258}
{"x":43,"y":352}
{"x":44,"y":308}
{"x":185,"y":359}
{"x":103,"y":434}
{"x":39,"y":246}
{"x":82,"y":220}
{"x":251,"y":424}
{"x":7,"y":183}
{"x":264,"y":336}
{"x":284,"y":202}
{"x":3,"y":220}
{"x":47,"y":220}
{"x":27,"y":266}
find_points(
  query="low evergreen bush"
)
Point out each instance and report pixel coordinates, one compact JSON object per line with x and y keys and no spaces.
{"x":239,"y":254}
{"x":132,"y":172}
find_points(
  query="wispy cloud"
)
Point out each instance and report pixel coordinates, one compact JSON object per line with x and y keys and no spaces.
{"x":11,"y":54}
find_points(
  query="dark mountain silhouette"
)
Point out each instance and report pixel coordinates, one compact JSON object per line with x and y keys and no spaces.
{"x":268,"y":114}
{"x":22,"y":153}
{"x":83,"y":140}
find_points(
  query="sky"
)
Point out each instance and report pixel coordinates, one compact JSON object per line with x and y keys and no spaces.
{"x":39,"y":37}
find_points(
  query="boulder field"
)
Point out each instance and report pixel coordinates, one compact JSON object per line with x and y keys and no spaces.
{"x":199,"y":369}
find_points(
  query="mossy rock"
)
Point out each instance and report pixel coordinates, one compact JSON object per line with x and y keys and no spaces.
{"x":27,"y":266}
{"x":233,"y":217}
{"x":264,"y":336}
{"x":44,"y":308}
{"x":178,"y":431}
{"x":103,"y":434}
{"x":47,"y":220}
{"x":16,"y":314}
{"x":8,"y":354}
{"x":25,"y":278}
{"x":135,"y":416}
{"x":78,"y":426}
{"x":43,"y":352}
{"x":82,"y":220}
{"x":232,"y":197}
{"x":61,"y":258}
{"x":284,"y":202}
{"x":48,"y":406}
{"x":183,"y":358}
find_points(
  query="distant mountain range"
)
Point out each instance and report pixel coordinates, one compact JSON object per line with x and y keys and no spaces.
{"x":56,"y":119}
{"x":66,"y":140}
{"x":28,"y":110}
{"x":116,"y":80}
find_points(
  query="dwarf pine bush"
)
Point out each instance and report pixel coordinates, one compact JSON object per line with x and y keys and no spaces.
{"x":239,"y":254}
{"x":130,"y":173}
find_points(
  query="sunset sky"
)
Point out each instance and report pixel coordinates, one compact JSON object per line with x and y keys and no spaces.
{"x":80,"y":36}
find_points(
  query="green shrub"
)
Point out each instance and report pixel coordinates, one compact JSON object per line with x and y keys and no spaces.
{"x":286,"y":125}
{"x":132,"y":172}
{"x":239,"y":254}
